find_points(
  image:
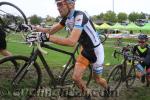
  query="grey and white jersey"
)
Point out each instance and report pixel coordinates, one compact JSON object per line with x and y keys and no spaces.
{"x":78,"y":19}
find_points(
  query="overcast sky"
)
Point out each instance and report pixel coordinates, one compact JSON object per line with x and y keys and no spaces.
{"x":93,"y":7}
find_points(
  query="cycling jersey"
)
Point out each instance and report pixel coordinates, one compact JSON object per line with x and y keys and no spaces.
{"x":78,"y":19}
{"x":142,"y":52}
{"x":89,"y":40}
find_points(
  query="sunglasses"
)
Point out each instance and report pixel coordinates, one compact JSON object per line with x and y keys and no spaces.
{"x":60,"y":4}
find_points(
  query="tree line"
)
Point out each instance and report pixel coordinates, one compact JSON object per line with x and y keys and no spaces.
{"x":109,"y":16}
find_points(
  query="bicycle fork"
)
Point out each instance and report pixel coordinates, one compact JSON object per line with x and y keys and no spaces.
{"x":21,"y":73}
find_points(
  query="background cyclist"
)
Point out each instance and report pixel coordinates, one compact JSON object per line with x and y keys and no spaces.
{"x":142,"y":49}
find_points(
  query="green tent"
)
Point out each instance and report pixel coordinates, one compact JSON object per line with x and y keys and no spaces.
{"x":105,"y":26}
{"x":146,"y":27}
{"x":132,"y":26}
{"x":96,"y":26}
{"x":118,"y":26}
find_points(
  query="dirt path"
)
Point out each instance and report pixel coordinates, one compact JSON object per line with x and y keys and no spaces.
{"x":97,"y":94}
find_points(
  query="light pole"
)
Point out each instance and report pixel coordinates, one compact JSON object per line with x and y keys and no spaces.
{"x":113,"y":5}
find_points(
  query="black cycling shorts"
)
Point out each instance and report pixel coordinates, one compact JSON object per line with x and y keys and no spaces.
{"x":2,"y":40}
{"x":89,"y":54}
{"x":2,"y":44}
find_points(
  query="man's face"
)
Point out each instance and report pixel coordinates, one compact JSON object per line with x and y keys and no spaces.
{"x":62,"y":8}
{"x":142,"y":43}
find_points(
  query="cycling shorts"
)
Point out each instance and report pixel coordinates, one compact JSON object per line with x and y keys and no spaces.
{"x":2,"y":40}
{"x":94,"y":57}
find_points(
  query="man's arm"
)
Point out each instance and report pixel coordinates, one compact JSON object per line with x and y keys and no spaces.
{"x":70,"y":41}
{"x":55,"y":28}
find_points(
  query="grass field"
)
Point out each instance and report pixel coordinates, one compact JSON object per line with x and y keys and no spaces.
{"x":18,"y":48}
{"x":56,"y":59}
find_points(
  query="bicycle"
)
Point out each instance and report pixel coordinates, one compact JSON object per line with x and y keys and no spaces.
{"x":122,"y":72}
{"x":11,"y":17}
{"x":29,"y":74}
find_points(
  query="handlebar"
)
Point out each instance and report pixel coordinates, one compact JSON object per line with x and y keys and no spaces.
{"x":40,"y":48}
{"x":126,"y":55}
{"x":38,"y":44}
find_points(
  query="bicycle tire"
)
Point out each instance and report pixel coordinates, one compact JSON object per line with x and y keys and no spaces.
{"x":12,"y":23}
{"x":131,"y":76}
{"x":67,"y":80}
{"x":113,"y":81}
{"x":30,"y":82}
{"x":2,"y":10}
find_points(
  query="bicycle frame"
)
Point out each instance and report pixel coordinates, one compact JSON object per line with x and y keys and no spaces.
{"x":124,"y":69}
{"x":124,"y":66}
{"x":37,"y":53}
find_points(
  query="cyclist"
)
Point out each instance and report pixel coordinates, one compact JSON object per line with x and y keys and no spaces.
{"x":143,"y":50}
{"x":83,"y":31}
{"x":3,"y":44}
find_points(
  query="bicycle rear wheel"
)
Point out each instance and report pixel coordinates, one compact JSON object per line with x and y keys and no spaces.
{"x":24,"y":86}
{"x":114,"y":78}
{"x":68,"y":82}
{"x":11,"y":17}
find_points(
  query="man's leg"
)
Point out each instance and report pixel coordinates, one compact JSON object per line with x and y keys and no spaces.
{"x":3,"y":46}
{"x":98,"y":67}
{"x":148,"y":76}
{"x":80,"y":67}
{"x":101,"y":81}
{"x":138,"y":75}
{"x":4,"y":52}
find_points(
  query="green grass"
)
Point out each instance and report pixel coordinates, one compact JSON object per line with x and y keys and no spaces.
{"x":56,"y":59}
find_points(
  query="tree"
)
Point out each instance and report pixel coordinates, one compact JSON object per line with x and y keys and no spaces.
{"x":110,"y":16}
{"x":35,"y":20}
{"x":133,"y":16}
{"x":142,"y":15}
{"x":98,"y":17}
{"x":122,"y":17}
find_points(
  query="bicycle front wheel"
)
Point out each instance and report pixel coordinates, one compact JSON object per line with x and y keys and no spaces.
{"x":131,"y":77}
{"x":114,"y":78}
{"x":11,"y":17}
{"x":22,"y":86}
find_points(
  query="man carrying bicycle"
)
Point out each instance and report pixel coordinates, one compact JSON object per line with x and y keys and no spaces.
{"x":83,"y":31}
{"x":143,"y":50}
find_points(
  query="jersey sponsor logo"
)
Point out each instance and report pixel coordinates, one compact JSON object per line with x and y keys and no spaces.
{"x":78,"y":20}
